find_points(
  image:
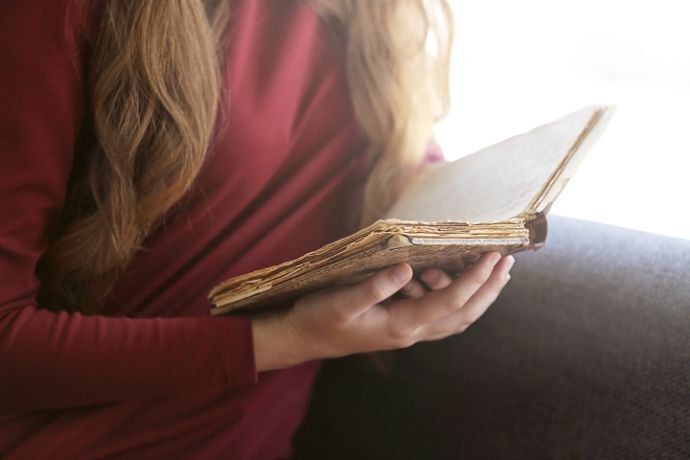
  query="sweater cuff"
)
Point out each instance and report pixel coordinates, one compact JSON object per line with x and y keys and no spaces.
{"x":238,"y":351}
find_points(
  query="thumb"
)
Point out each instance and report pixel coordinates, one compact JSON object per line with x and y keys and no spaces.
{"x":375,"y":289}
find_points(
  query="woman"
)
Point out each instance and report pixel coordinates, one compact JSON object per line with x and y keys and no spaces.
{"x":151,"y":149}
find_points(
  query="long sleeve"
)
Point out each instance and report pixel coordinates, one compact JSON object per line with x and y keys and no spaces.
{"x":48,"y":359}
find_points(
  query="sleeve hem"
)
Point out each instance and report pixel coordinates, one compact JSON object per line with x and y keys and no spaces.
{"x":238,"y":352}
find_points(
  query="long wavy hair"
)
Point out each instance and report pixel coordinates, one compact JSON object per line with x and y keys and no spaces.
{"x":154,"y":96}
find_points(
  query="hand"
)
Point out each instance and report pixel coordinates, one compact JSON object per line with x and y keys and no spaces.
{"x":345,"y":320}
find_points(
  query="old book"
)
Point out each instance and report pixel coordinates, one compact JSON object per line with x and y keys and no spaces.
{"x":447,"y":216}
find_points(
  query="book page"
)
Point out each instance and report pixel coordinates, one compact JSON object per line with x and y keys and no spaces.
{"x":499,"y":182}
{"x":591,"y":135}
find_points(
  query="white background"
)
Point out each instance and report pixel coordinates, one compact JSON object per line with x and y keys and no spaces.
{"x":518,"y":64}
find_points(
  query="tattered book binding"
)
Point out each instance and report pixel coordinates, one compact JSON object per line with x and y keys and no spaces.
{"x":447,"y":216}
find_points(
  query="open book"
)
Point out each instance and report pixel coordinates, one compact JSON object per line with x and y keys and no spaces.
{"x":447,"y":216}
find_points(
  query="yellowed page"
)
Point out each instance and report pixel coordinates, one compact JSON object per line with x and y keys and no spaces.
{"x":498,"y":182}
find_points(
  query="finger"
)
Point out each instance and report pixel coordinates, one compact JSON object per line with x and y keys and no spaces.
{"x":353,"y":300}
{"x":414,"y":289}
{"x":436,"y":279}
{"x":412,"y":313}
{"x":460,"y":320}
{"x":486,"y":296}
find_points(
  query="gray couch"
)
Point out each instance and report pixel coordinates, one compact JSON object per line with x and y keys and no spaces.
{"x":585,"y":355}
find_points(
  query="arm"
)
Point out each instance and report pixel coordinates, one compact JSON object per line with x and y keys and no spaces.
{"x":52,"y":359}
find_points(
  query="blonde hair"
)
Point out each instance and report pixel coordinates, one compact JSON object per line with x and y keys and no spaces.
{"x":155,"y":93}
{"x":398,"y":58}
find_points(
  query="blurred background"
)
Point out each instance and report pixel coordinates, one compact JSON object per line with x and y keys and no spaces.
{"x":521,"y":64}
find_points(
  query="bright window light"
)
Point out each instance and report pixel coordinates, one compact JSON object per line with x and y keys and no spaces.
{"x":520,"y":64}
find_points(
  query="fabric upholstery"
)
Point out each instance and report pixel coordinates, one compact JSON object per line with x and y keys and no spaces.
{"x":585,"y":355}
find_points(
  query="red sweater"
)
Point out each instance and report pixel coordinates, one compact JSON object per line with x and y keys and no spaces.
{"x":152,"y":375}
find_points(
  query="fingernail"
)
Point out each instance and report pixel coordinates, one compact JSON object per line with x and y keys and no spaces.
{"x":511,"y":261}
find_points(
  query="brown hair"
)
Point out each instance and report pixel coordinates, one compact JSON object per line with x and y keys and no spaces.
{"x":155,"y":94}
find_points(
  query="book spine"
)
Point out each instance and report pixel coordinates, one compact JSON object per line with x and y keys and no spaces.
{"x":538,"y":229}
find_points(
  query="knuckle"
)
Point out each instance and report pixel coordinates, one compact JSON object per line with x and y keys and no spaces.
{"x":406,"y":343}
{"x":374,"y":292}
{"x":493,"y":297}
{"x":340,"y":316}
{"x":464,"y":325}
{"x":453,"y":303}
{"x":482,"y":274}
{"x":501,"y":281}
{"x":402,"y":333}
{"x":405,"y":338}
{"x":455,"y":300}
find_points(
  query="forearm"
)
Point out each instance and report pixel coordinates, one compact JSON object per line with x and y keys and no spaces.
{"x":50,"y":360}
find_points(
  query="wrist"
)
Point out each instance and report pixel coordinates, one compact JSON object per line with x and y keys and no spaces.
{"x":277,"y":344}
